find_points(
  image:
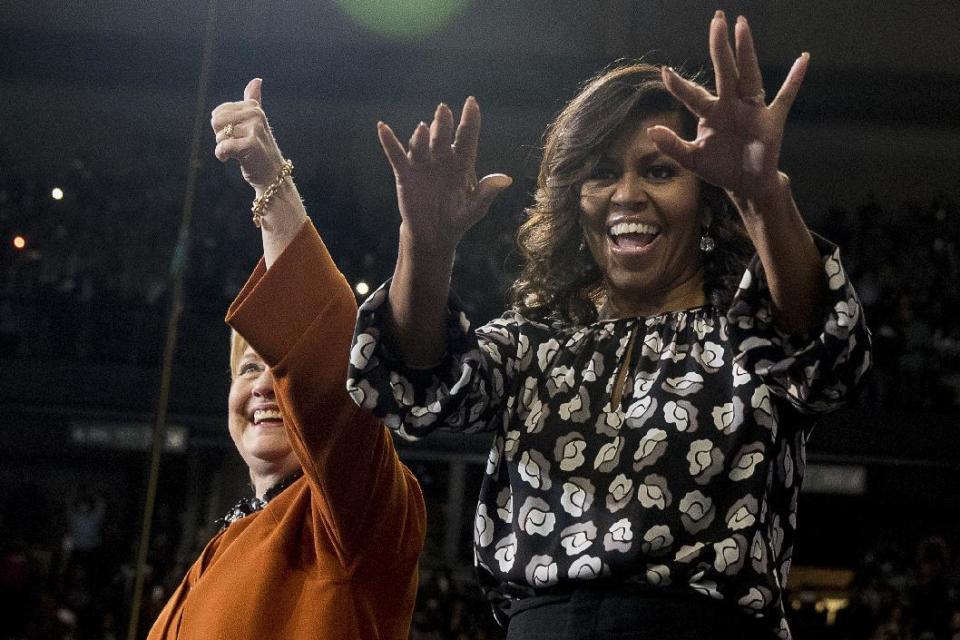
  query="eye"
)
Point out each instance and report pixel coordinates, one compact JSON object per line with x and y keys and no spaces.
{"x":249,"y":367}
{"x":604,"y":172}
{"x":661,"y":172}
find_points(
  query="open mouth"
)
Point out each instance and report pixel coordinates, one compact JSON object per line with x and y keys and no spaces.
{"x":633,"y":236}
{"x":267,"y":417}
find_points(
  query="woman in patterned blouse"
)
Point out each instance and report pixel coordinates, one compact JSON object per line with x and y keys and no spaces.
{"x":648,"y":413}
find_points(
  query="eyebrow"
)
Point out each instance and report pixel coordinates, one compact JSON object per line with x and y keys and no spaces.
{"x":647,"y":157}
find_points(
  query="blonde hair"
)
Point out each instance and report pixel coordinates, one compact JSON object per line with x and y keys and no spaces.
{"x":237,"y":346}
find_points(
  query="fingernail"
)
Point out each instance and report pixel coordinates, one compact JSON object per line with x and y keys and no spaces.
{"x":719,"y":15}
{"x":742,"y":20}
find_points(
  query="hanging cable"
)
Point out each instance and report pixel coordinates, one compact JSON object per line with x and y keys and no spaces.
{"x":178,"y":264}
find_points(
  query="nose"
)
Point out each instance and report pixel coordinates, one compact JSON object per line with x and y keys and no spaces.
{"x":629,"y":192}
{"x":263,"y":385}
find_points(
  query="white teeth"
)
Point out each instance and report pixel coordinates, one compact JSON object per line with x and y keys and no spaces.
{"x":633,"y":227}
{"x":266,"y":414}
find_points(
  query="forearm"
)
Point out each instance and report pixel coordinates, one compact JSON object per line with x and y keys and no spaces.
{"x":282,"y":220}
{"x":790,"y":259}
{"x":418,"y":302}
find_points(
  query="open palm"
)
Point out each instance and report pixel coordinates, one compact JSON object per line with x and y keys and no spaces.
{"x":739,"y":137}
{"x":437,"y":189}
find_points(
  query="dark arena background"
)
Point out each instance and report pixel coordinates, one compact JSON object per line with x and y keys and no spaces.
{"x":98,"y":103}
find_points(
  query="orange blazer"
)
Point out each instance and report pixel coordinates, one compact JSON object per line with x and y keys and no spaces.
{"x":335,"y":554}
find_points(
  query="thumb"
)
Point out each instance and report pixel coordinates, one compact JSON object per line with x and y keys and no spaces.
{"x":488,"y":189}
{"x":253,"y":89}
{"x":669,"y":143}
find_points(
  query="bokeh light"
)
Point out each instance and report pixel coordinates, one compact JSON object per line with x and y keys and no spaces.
{"x":19,"y":242}
{"x":362,"y":288}
{"x":402,"y":19}
{"x":57,"y":193}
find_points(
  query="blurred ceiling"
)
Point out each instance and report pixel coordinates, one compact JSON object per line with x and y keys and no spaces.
{"x":917,"y":36}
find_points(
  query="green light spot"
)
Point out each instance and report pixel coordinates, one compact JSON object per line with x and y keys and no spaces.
{"x":402,"y":19}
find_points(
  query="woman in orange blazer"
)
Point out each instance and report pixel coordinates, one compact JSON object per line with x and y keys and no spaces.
{"x":328,"y":547}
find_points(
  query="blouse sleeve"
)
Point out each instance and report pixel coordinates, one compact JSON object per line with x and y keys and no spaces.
{"x":816,"y":371}
{"x":464,"y":392}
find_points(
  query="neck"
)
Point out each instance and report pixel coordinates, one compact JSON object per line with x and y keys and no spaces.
{"x":686,"y":294}
{"x":263,"y":479}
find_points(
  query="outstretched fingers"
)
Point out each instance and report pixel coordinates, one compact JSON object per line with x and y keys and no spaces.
{"x":392,"y":148}
{"x":420,"y":144}
{"x":669,"y":143}
{"x":724,"y":65}
{"x":468,"y":133}
{"x":791,"y":87}
{"x":692,"y":95}
{"x":748,"y":67}
{"x":441,"y":131}
{"x":487,"y":190}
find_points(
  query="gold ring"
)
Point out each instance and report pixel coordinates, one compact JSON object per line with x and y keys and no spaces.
{"x":227,"y":131}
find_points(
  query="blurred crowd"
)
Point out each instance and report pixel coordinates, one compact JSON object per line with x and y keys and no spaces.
{"x":905,"y":262}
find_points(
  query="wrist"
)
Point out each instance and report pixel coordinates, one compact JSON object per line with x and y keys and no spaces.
{"x":767,"y":198}
{"x":283,"y":191}
{"x":433,"y":251}
{"x":262,"y":201}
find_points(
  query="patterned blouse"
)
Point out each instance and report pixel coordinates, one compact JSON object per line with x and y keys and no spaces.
{"x":689,"y":482}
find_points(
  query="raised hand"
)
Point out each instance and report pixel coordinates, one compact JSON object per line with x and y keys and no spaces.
{"x":437,"y":189}
{"x":243,"y":134}
{"x":739,"y":136}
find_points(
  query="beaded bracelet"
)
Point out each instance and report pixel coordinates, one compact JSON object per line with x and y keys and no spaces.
{"x":260,"y":203}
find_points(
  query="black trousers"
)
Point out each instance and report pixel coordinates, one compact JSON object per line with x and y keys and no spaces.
{"x":627,"y":613}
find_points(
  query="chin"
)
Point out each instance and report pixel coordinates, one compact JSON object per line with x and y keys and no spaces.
{"x":268,"y":449}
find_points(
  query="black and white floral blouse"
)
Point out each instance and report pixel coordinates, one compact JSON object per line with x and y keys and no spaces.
{"x":689,"y":482}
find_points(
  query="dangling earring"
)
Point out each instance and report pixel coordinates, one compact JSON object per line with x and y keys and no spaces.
{"x":707,"y":243}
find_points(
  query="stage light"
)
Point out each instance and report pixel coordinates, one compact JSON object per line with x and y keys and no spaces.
{"x":402,"y":19}
{"x":362,"y":288}
{"x":19,"y":242}
{"x":57,"y":193}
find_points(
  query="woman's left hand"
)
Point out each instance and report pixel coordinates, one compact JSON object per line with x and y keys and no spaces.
{"x":739,"y":136}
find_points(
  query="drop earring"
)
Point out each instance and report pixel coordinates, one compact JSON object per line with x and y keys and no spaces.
{"x":707,"y":243}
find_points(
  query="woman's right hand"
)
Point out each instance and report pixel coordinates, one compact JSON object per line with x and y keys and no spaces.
{"x":437,"y":189}
{"x":243,"y":134}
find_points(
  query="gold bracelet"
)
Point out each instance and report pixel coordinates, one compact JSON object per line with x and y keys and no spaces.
{"x":260,"y":203}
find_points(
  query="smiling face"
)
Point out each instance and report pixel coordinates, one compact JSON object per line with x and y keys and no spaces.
{"x":256,"y":424}
{"x":642,"y":218}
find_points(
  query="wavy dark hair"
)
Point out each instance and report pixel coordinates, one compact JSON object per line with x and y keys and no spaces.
{"x":559,"y":280}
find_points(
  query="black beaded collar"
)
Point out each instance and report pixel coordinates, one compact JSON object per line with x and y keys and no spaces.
{"x":246,"y":506}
